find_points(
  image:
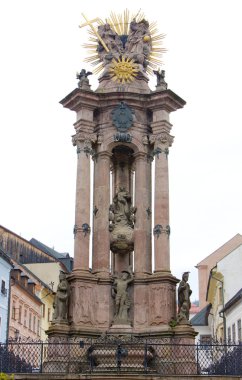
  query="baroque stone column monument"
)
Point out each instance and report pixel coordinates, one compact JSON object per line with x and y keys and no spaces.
{"x":120,"y":285}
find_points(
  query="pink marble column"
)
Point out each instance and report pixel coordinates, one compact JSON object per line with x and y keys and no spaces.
{"x":161,"y":213}
{"x":101,"y":238}
{"x":142,"y":243}
{"x":82,"y":212}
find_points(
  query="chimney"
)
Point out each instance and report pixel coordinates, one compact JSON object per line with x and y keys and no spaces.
{"x":24,"y":280}
{"x":31,"y":286}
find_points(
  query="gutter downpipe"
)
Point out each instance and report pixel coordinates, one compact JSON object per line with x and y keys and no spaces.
{"x":222,"y":312}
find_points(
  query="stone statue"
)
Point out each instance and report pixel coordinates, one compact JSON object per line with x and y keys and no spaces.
{"x":160,"y":75}
{"x":122,"y":300}
{"x":184,"y":303}
{"x":83,"y":78}
{"x":122,"y":217}
{"x":138,"y":44}
{"x":112,"y":41}
{"x":61,"y":299}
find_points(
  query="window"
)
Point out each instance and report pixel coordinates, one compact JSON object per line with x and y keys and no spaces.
{"x":3,"y":288}
{"x":205,"y":340}
{"x":233,"y":333}
{"x":43,"y":310}
{"x":239,"y":329}
{"x":20,"y":314}
{"x":49,"y":313}
{"x":229,"y":334}
{"x":38,"y":327}
{"x":13,"y":310}
{"x":34,"y":323}
{"x":25,"y":317}
{"x":30,"y":321}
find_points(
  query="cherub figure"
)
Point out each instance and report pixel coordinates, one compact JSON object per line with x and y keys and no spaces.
{"x":83,"y":78}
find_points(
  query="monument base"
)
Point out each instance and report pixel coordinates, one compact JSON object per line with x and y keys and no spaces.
{"x":120,"y":329}
{"x":140,"y":85}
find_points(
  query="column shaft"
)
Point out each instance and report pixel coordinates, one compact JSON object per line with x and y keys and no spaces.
{"x":101,"y":238}
{"x":142,"y":244}
{"x":82,"y":212}
{"x":161,"y":214}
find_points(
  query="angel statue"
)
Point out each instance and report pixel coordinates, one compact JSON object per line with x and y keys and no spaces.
{"x":83,"y":78}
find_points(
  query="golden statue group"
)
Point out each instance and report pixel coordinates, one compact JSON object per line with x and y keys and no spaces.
{"x":122,"y":283}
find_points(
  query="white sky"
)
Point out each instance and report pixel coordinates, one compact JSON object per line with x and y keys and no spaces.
{"x":40,"y":54}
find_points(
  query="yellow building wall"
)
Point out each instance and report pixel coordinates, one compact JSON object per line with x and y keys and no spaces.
{"x":47,"y":272}
{"x":47,"y":311}
{"x":216,"y":299}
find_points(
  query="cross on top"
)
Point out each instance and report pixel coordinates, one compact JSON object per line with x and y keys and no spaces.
{"x":90,"y":23}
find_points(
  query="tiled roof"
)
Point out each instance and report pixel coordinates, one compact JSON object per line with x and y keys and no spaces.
{"x":201,"y":318}
{"x":5,"y":256}
{"x":46,"y":249}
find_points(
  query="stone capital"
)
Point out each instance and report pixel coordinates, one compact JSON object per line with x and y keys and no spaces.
{"x":163,"y":139}
{"x":84,"y":143}
{"x":80,"y":138}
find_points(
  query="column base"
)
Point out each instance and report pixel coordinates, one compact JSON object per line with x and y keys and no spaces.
{"x":160,"y":271}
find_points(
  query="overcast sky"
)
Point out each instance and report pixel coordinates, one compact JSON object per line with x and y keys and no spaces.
{"x":41,"y":51}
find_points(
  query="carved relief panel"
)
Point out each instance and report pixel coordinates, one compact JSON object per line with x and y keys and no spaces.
{"x":83,"y":310}
{"x":162,"y":304}
{"x":101,"y":307}
{"x":141,"y":305}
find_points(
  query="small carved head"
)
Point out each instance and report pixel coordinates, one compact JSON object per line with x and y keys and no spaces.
{"x":185,"y":276}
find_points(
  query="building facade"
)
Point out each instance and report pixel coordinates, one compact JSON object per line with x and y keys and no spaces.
{"x":224,"y":292}
{"x":31,"y":305}
{"x":34,"y":279}
{"x":205,"y":266}
{"x":25,"y":307}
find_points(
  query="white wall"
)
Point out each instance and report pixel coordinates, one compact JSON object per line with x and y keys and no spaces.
{"x":232,"y":317}
{"x":231,"y":268}
{"x":202,"y":330}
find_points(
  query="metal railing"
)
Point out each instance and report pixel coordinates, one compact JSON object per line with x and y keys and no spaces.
{"x":145,"y":356}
